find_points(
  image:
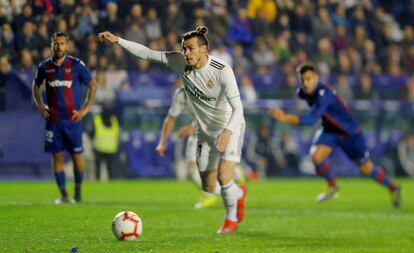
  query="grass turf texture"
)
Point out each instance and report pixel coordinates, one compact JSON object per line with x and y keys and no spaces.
{"x":282,"y":216}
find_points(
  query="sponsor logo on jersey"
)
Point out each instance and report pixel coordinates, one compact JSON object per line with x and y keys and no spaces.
{"x":210,"y":84}
{"x":195,"y":92}
{"x":60,"y":83}
{"x":67,"y":70}
{"x":50,"y":70}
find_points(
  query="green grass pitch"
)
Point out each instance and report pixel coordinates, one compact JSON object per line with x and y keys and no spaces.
{"x":281,"y":216}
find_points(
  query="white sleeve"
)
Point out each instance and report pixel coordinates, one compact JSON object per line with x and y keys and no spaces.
{"x":174,"y":59}
{"x":178,"y":103}
{"x":232,"y":93}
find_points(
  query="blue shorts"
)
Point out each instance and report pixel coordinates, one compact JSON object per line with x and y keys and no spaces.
{"x":64,"y":135}
{"x":354,"y":146}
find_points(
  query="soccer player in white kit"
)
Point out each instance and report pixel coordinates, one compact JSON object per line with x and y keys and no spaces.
{"x":181,"y":105}
{"x":212,"y":88}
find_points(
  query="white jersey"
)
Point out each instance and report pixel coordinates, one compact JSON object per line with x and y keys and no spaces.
{"x":212,"y":89}
{"x":180,"y":104}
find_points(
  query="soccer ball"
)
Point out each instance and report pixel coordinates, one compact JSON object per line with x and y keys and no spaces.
{"x":127,"y":226}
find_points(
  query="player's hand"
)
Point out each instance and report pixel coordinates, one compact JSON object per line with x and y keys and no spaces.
{"x":160,"y":149}
{"x":44,"y":111}
{"x":223,"y":140}
{"x":277,"y":114}
{"x":108,"y":37}
{"x":186,"y":131}
{"x":78,"y":115}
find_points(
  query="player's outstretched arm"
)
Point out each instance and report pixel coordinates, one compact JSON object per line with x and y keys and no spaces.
{"x":136,"y":49}
{"x":279,"y":115}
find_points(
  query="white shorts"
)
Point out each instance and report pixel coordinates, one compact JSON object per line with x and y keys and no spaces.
{"x":191,"y":148}
{"x":208,"y":157}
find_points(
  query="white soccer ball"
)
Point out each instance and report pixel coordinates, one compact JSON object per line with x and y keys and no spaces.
{"x":127,"y":226}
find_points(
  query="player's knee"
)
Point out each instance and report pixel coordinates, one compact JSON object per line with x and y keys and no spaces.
{"x":366,"y":167}
{"x":224,"y":179}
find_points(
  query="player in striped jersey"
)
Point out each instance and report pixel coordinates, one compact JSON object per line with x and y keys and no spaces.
{"x":339,"y":129}
{"x":63,"y":76}
{"x":211,"y":86}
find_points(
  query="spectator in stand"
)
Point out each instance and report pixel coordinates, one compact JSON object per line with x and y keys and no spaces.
{"x":19,"y":20}
{"x":28,"y":38}
{"x":262,"y":55}
{"x":282,"y":24}
{"x":220,"y":51}
{"x":87,"y":20}
{"x":280,"y":47}
{"x":219,"y":21}
{"x":240,"y":30}
{"x":239,"y":59}
{"x":408,"y":59}
{"x":26,"y":63}
{"x":324,"y":58}
{"x":152,"y":25}
{"x":299,"y":20}
{"x":359,"y":38}
{"x":322,"y":25}
{"x":340,"y":41}
{"x":42,"y":36}
{"x":110,"y":20}
{"x":7,"y":40}
{"x":343,"y":88}
{"x":287,"y":89}
{"x":369,"y":58}
{"x":4,"y":71}
{"x":174,"y":19}
{"x":339,"y":16}
{"x":408,"y":39}
{"x":135,"y":16}
{"x":105,"y":93}
{"x":365,"y":90}
{"x":247,"y":90}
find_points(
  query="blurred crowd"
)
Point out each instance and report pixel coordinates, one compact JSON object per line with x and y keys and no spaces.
{"x":361,"y":38}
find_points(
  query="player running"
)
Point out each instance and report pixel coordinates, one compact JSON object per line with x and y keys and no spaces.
{"x":211,"y":86}
{"x":339,"y":128}
{"x":63,"y":75}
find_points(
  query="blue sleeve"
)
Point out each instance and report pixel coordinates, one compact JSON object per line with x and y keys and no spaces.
{"x":40,"y":75}
{"x":323,"y":100}
{"x":84,"y":74}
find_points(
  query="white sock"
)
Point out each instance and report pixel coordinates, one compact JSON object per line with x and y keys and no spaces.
{"x":231,"y":193}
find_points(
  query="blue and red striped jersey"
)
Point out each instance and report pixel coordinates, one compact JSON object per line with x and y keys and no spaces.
{"x":63,"y":86}
{"x":331,"y":108}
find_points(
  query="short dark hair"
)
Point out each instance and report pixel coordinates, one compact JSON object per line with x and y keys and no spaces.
{"x":59,"y":34}
{"x":200,"y":32}
{"x":302,"y":69}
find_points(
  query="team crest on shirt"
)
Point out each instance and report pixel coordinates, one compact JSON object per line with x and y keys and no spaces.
{"x":67,"y":70}
{"x":210,"y":84}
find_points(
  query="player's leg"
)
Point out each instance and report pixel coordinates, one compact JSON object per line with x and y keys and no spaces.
{"x":54,"y":145}
{"x":73,"y":142}
{"x":357,"y":150}
{"x":380,"y":176}
{"x":58,"y":169}
{"x":233,"y":195}
{"x":78,"y":168}
{"x":207,"y":199}
{"x":323,"y":146}
{"x":320,"y":153}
